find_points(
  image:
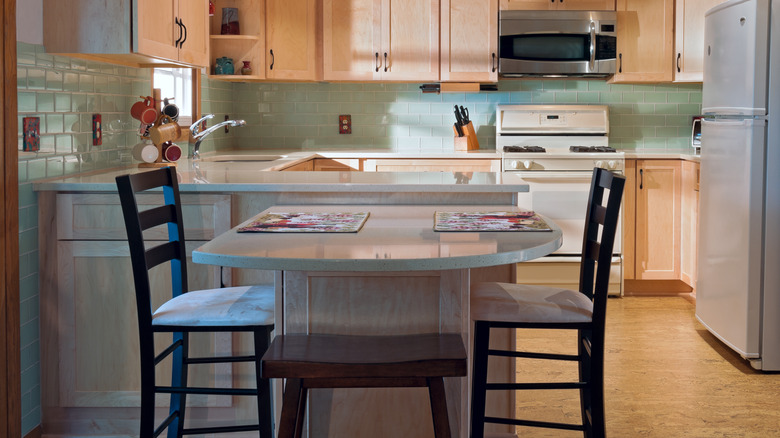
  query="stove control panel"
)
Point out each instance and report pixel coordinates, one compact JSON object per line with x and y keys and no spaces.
{"x":608,"y":164}
{"x":521,"y":164}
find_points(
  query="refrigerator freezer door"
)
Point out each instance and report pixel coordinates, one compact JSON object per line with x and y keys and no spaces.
{"x":736,"y":37}
{"x":728,"y":295}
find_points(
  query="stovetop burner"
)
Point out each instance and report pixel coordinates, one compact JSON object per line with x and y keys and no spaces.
{"x":591,"y":149}
{"x":524,"y":149}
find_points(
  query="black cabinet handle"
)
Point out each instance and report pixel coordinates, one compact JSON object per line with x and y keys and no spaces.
{"x":178,"y":40}
{"x":493,"y":63}
{"x":641,"y":178}
{"x":620,"y":69}
{"x":377,"y":63}
{"x":181,"y":44}
{"x":678,"y":62}
{"x":385,"y":61}
{"x":272,"y":59}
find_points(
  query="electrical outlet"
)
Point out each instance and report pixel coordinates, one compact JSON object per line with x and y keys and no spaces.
{"x":97,"y":130}
{"x":31,"y":141}
{"x":345,"y":124}
{"x":227,"y":129}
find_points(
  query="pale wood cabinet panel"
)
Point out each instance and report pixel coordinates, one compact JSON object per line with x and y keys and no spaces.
{"x":388,"y":40}
{"x":689,"y":38}
{"x":645,"y":35}
{"x":574,"y":5}
{"x":292,"y":32}
{"x":469,"y":44}
{"x":658,"y":219}
{"x":629,"y":220}
{"x":128,"y":32}
{"x":351,"y":40}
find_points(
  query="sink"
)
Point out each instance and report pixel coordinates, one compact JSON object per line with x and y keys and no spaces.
{"x":239,"y":158}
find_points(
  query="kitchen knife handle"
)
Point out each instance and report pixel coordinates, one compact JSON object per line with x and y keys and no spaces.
{"x":385,"y":61}
{"x":272,"y":59}
{"x":641,"y":178}
{"x":493,"y":62}
{"x":181,"y":44}
{"x":678,"y":62}
{"x":178,"y":40}
{"x":377,"y":63}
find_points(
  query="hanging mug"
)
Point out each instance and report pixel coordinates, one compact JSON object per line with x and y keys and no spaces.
{"x":170,"y":110}
{"x":146,"y":152}
{"x":144,"y":110}
{"x":165,"y":130}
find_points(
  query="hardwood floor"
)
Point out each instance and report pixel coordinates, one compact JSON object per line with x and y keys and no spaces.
{"x":666,"y":376}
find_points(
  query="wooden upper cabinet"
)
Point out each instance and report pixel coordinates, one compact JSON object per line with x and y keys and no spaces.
{"x":645,"y":32}
{"x":351,"y":40}
{"x":292,"y":30}
{"x":131,"y":32}
{"x":572,"y":5}
{"x":689,"y":38}
{"x":389,"y":40}
{"x":469,"y":44}
{"x":248,"y":46}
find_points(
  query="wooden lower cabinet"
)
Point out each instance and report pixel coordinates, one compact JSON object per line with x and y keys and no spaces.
{"x":659,"y":225}
{"x":90,"y":369}
{"x":432,"y":165}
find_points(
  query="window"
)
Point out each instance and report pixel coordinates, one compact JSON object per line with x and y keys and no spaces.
{"x":176,"y":83}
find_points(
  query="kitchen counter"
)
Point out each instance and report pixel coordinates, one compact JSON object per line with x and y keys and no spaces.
{"x":662,"y":154}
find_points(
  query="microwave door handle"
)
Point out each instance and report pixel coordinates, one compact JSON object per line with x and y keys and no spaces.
{"x":592,"y":46}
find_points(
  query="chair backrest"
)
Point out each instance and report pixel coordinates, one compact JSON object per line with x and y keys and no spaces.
{"x":601,"y":222}
{"x":136,"y":222}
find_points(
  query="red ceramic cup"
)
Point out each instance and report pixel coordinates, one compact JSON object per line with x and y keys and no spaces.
{"x":144,"y":110}
{"x":171,"y":151}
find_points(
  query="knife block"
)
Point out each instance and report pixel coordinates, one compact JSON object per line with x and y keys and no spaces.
{"x":469,"y":140}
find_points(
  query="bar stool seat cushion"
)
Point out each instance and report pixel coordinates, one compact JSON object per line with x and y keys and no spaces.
{"x":508,"y":302}
{"x":233,"y":306}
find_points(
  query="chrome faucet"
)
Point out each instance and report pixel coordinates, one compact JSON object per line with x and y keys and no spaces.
{"x":196,"y":133}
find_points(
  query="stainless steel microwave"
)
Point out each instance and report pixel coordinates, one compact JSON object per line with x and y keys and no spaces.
{"x":557,"y":43}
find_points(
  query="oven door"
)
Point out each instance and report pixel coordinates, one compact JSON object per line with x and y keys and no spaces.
{"x":563,"y":197}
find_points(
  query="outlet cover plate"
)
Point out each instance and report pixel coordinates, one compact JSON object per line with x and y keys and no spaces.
{"x":345,"y":124}
{"x":97,"y":130}
{"x":31,"y":141}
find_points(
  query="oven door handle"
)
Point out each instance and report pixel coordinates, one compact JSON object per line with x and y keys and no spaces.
{"x":555,"y":175}
{"x":592,"y":46}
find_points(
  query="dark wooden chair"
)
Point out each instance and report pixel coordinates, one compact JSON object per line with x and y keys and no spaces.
{"x":233,"y":309}
{"x":333,"y":361}
{"x":538,"y":307}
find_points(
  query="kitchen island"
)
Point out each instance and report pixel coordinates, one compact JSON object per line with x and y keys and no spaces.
{"x":88,"y":329}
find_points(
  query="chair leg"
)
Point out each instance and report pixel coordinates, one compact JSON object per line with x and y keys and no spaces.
{"x":592,"y":396}
{"x":441,"y":420}
{"x":147,"y":396}
{"x":179,"y":378}
{"x":479,"y":378}
{"x":293,"y":409}
{"x":265,"y":412}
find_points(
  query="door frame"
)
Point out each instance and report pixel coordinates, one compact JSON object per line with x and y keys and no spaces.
{"x":10,"y":373}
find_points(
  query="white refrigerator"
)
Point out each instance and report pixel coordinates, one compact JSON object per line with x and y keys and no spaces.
{"x":738,"y":285}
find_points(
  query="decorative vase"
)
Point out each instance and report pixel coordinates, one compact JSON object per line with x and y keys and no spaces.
{"x":211,"y":8}
{"x":229,"y":21}
{"x":224,"y":66}
{"x":246,"y":69}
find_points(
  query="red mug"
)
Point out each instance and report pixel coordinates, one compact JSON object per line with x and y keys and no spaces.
{"x":171,"y":151}
{"x":144,"y":110}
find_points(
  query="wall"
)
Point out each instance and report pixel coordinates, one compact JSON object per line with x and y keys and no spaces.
{"x":64,"y":93}
{"x":398,"y":117}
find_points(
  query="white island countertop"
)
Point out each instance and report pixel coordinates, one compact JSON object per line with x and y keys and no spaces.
{"x":253,"y":177}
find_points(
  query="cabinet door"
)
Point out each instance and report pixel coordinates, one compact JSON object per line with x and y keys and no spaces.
{"x":658,"y":220}
{"x":410,"y":37}
{"x":157,"y":31}
{"x":530,"y":5}
{"x":351,"y":47}
{"x":689,"y":38}
{"x":195,"y":17}
{"x":644,"y":38}
{"x":291,"y":39}
{"x":469,"y":51}
{"x":629,"y":220}
{"x":96,"y":335}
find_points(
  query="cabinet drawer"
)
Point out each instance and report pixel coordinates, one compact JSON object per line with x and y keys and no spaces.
{"x":98,"y":216}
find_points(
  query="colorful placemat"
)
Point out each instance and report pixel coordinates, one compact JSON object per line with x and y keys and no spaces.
{"x":489,"y":221}
{"x":307,"y":223}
